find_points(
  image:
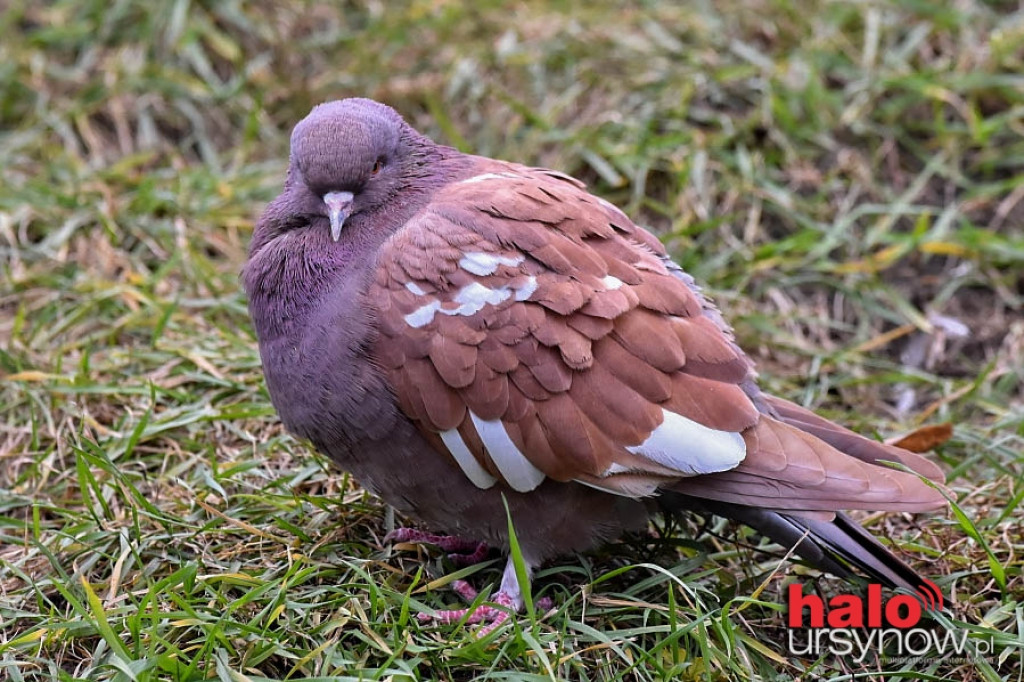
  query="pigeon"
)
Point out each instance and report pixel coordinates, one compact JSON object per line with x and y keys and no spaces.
{"x":478,"y":341}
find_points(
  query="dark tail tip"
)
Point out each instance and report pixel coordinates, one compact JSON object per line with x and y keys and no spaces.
{"x":846,"y":541}
{"x":841,"y":547}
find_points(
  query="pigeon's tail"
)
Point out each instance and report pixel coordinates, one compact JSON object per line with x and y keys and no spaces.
{"x":840,"y":546}
{"x":800,"y":470}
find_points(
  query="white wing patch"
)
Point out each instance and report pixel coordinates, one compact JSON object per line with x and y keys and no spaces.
{"x":487,"y":176}
{"x":470,"y":300}
{"x":526,"y":289}
{"x":517,"y":471}
{"x":474,"y":296}
{"x":691,"y":448}
{"x":415,"y":289}
{"x":467,"y":462}
{"x":611,"y":282}
{"x":423,"y":315}
{"x":483,"y":264}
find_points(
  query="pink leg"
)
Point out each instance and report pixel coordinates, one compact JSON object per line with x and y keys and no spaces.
{"x":461,"y":552}
{"x":507,"y":600}
{"x":478,"y":554}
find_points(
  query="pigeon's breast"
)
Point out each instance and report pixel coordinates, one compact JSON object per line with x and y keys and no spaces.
{"x":320,"y":378}
{"x":314,"y":332}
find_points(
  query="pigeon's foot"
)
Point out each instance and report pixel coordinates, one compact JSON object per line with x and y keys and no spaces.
{"x":506,"y":602}
{"x":461,"y":552}
{"x":492,"y":615}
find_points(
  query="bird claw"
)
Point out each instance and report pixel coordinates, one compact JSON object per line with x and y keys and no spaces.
{"x":478,"y":554}
{"x":460,"y":551}
{"x":492,"y":615}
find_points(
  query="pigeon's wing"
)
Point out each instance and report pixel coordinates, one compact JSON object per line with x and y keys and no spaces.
{"x":532,"y":331}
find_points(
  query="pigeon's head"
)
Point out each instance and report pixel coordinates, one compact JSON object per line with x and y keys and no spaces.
{"x":352,"y":155}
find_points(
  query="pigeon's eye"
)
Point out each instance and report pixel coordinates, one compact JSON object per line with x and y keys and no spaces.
{"x":377,"y":165}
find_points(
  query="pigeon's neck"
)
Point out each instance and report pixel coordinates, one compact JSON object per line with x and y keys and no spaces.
{"x":302,"y":276}
{"x":431,"y":165}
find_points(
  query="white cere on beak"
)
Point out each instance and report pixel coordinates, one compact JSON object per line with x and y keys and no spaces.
{"x":339,"y":206}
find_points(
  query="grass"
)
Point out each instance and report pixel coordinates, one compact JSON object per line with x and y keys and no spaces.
{"x":845,"y":177}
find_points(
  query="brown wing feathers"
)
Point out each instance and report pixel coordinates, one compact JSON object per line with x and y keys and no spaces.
{"x":852,"y":443}
{"x":534,"y":326}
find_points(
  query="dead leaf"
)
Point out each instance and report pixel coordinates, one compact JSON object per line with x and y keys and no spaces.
{"x":925,"y":438}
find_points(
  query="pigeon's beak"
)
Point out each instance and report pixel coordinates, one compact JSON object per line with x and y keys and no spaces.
{"x":339,"y":206}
